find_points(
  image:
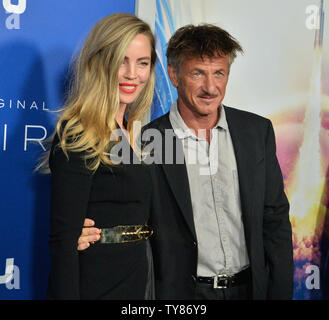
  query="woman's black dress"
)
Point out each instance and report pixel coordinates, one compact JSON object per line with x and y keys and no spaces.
{"x":116,"y":195}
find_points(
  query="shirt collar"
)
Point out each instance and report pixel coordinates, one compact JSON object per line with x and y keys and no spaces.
{"x":222,"y":123}
{"x":183,"y":131}
{"x":180,"y":128}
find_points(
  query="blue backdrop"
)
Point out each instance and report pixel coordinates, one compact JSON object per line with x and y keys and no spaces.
{"x":36,"y":48}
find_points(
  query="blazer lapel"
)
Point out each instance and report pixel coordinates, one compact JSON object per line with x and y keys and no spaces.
{"x":178,"y":181}
{"x":176,"y":174}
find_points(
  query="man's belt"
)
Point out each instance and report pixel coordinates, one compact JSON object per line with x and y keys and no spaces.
{"x":129,"y":233}
{"x":223,"y":281}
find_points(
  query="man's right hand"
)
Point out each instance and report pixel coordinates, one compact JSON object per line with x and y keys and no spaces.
{"x":89,"y":234}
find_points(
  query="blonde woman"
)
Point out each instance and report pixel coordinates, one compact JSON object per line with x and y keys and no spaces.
{"x":113,"y":81}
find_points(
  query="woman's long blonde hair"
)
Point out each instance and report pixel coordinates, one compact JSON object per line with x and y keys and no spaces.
{"x":88,"y":117}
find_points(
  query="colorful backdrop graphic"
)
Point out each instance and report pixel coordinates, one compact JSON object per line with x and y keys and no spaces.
{"x":283,"y":75}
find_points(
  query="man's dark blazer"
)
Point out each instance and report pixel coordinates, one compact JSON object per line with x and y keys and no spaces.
{"x":264,"y":212}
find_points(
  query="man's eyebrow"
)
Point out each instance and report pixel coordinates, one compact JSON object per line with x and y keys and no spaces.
{"x":202,"y":70}
{"x":220,"y":69}
{"x":197,"y":69}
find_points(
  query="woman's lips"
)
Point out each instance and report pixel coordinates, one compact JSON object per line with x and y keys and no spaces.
{"x":128,"y":87}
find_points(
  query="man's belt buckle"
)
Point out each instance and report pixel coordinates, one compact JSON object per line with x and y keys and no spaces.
{"x":223,"y":278}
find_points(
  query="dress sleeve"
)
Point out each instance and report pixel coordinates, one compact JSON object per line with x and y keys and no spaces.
{"x":70,"y":189}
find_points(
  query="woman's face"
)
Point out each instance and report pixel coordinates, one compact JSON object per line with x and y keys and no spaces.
{"x":135,"y":69}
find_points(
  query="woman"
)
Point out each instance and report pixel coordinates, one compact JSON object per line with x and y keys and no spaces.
{"x":113,"y":80}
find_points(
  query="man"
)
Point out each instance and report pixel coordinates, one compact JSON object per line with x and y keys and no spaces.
{"x":222,"y":229}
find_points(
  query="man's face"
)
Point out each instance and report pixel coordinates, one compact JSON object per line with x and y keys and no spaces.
{"x":201,"y":84}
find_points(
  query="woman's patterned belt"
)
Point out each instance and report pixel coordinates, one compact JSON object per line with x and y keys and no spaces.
{"x":130,"y":233}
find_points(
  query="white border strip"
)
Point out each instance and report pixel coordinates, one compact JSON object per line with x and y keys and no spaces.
{"x":145,"y":10}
